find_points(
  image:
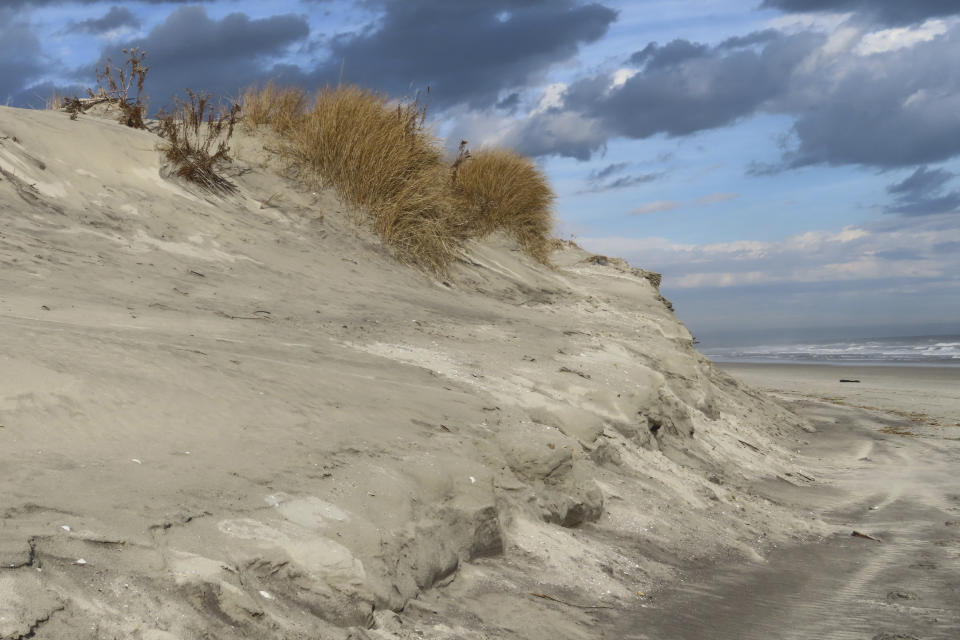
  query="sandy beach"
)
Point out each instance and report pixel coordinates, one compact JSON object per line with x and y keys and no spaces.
{"x":238,"y":416}
{"x":923,"y":394}
{"x":888,"y":473}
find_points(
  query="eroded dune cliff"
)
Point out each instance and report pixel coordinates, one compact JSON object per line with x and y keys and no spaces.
{"x":239,"y":416}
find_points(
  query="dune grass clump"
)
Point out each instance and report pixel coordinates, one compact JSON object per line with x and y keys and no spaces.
{"x":381,"y":158}
{"x":196,"y":140}
{"x":505,"y":190}
{"x":281,"y":108}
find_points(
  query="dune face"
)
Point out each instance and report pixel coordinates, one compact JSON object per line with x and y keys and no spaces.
{"x":238,"y":416}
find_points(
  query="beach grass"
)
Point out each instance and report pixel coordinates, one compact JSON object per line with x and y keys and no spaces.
{"x":383,"y":160}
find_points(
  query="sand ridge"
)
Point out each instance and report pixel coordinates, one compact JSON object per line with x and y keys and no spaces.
{"x":249,"y":421}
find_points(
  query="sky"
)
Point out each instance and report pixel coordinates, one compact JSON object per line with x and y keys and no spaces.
{"x":786,"y":164}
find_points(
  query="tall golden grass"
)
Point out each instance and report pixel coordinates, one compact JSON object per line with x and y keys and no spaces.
{"x":278,"y":107}
{"x":381,"y":158}
{"x":506,"y":190}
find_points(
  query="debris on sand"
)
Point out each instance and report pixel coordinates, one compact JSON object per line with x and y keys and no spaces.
{"x":857,"y":534}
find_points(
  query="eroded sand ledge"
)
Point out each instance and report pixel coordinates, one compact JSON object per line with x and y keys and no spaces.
{"x":239,"y":417}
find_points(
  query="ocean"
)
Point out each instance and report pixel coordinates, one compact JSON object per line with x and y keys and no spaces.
{"x":941,"y":350}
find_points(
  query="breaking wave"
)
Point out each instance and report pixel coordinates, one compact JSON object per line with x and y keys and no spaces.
{"x":918,"y":349}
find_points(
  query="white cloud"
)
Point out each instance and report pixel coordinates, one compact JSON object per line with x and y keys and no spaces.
{"x":900,"y":38}
{"x":697,"y":280}
{"x":797,"y":22}
{"x":850,"y":254}
{"x":620,"y":76}
{"x":552,"y":98}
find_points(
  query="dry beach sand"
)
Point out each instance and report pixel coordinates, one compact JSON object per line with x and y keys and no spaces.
{"x":239,"y":417}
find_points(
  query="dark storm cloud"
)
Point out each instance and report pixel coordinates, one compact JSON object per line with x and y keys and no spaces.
{"x":692,"y":94}
{"x":28,"y":4}
{"x":921,"y":181}
{"x":756,"y":37}
{"x":468,"y":52}
{"x":115,"y":18}
{"x":653,"y":56}
{"x":509,"y":103}
{"x":607,"y":171}
{"x":603,"y":179}
{"x":21,"y":56}
{"x":887,"y":109}
{"x":622,"y":182}
{"x":683,"y":88}
{"x":899,"y":114}
{"x":894,"y":12}
{"x":924,"y":193}
{"x":191,"y":50}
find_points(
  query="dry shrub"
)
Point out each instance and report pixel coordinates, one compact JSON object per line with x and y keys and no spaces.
{"x":117,"y":84}
{"x":502,"y":189}
{"x":196,"y":139}
{"x":281,"y":108}
{"x":55,"y":102}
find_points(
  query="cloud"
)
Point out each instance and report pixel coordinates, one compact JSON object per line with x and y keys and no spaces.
{"x":558,"y":132}
{"x":670,"y":205}
{"x":754,"y":38}
{"x":899,"y":38}
{"x":681,"y":89}
{"x":603,"y":179}
{"x":192,"y":50}
{"x":21,"y":56}
{"x":682,"y":95}
{"x":468,"y":52}
{"x":891,"y":109}
{"x":653,"y":56}
{"x":857,"y":97}
{"x":607,"y":171}
{"x":115,"y":18}
{"x":885,"y":11}
{"x":27,"y":4}
{"x":924,"y":193}
{"x":852,"y":254}
{"x":510,"y":103}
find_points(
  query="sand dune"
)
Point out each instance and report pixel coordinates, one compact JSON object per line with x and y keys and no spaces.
{"x":238,"y":416}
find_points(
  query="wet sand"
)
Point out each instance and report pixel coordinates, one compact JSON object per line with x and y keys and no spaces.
{"x":891,"y":475}
{"x":907,"y":391}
